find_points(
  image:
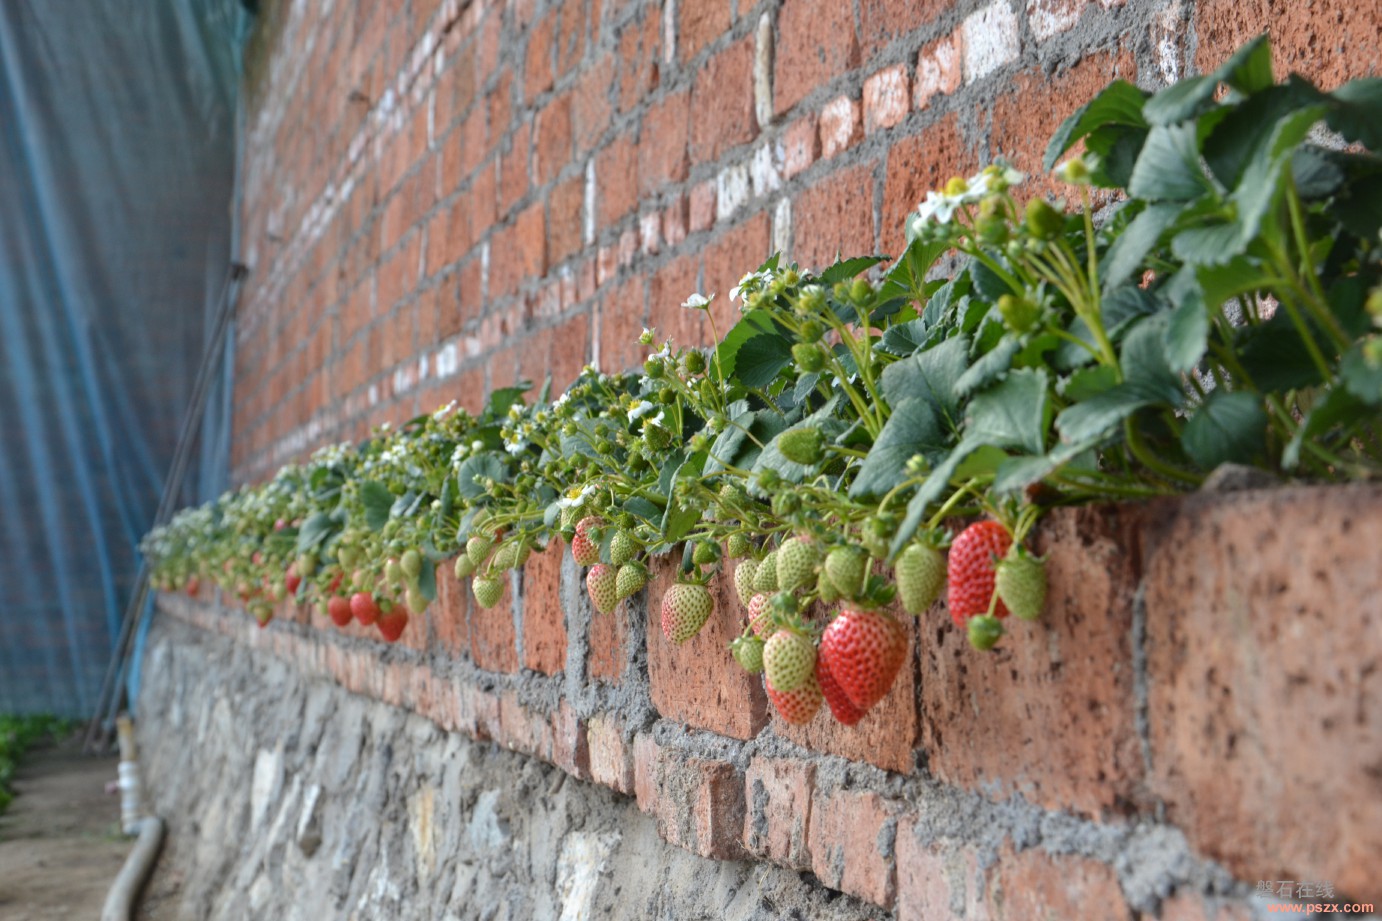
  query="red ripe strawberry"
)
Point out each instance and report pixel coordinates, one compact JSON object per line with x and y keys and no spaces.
{"x":363,"y":606}
{"x":194,"y":585}
{"x":970,"y":570}
{"x":840,"y":705}
{"x":392,"y":622}
{"x":585,"y":551}
{"x":262,"y":612}
{"x":685,"y":608}
{"x":601,"y":583}
{"x":864,"y":651}
{"x":799,"y":706}
{"x":291,"y":579}
{"x":339,"y":609}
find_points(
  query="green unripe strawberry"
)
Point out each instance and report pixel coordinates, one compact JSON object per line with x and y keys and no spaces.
{"x":743,"y":580}
{"x":1044,"y":222}
{"x":307,"y":565}
{"x":393,"y":572}
{"x":488,"y":590}
{"x":804,"y":445}
{"x":464,"y":567}
{"x":748,"y":652}
{"x":478,"y":547}
{"x":411,"y":564}
{"x":808,"y":356}
{"x":503,"y":557}
{"x":920,"y":573}
{"x":693,"y":361}
{"x":1021,"y":583}
{"x":600,"y":583}
{"x":521,"y":551}
{"x":985,"y":631}
{"x":737,"y":546}
{"x":825,"y":589}
{"x":686,"y":607}
{"x":796,"y":563}
{"x":789,"y":660}
{"x":765,"y":578}
{"x":705,"y":553}
{"x":847,"y":568}
{"x":622,"y":547}
{"x":415,"y":600}
{"x":631,"y":578}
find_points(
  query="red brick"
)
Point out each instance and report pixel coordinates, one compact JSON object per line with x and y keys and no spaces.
{"x":728,"y":257}
{"x":695,"y":682}
{"x":523,"y":730}
{"x":800,"y":146}
{"x":616,"y":185}
{"x":493,"y":643}
{"x":702,"y":206}
{"x":673,"y":222}
{"x":887,"y":98}
{"x":883,"y":21}
{"x":916,"y":165}
{"x":611,"y":756}
{"x":1188,"y":907}
{"x":936,"y":881}
{"x":671,"y":286}
{"x":834,"y":216}
{"x":1025,"y":118}
{"x":565,"y":219}
{"x":560,"y":351}
{"x":1049,"y":18}
{"x":537,"y":60}
{"x":700,"y":22}
{"x":1056,"y":696}
{"x":840,"y":126}
{"x":886,"y":737}
{"x":1263,"y":646}
{"x":816,"y":43}
{"x":544,"y":621}
{"x":1328,"y":41}
{"x":608,"y":641}
{"x":777,"y":799}
{"x":722,"y":112}
{"x":515,"y":168}
{"x":851,"y":836}
{"x":640,"y":48}
{"x":940,"y":69}
{"x":552,"y":145}
{"x":592,"y":108}
{"x":570,"y":34}
{"x":1033,"y":884}
{"x":662,"y":143}
{"x":622,"y":311}
{"x":698,"y":804}
{"x":570,"y":742}
{"x":450,"y":626}
{"x":500,"y":103}
{"x":519,"y":252}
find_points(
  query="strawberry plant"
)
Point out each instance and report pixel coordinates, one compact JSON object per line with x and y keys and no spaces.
{"x":1020,"y":354}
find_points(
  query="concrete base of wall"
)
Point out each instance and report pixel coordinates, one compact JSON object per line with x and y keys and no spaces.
{"x":291,"y":798}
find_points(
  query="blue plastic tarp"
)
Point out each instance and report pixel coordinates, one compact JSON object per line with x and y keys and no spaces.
{"x":117,"y":157}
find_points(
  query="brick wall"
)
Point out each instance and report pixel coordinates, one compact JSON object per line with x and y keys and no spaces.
{"x":445,"y":198}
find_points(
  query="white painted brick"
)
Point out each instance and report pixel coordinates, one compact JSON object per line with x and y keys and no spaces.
{"x":731,"y":191}
{"x":764,"y":170}
{"x":990,"y":40}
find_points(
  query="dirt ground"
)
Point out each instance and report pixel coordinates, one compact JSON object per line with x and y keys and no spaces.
{"x":60,"y":841}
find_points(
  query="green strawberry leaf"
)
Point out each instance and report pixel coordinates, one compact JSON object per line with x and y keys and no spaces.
{"x":1230,"y":427}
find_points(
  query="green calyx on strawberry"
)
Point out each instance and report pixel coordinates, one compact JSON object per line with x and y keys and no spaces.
{"x":743,"y":580}
{"x":920,"y":571}
{"x":364,"y":607}
{"x":797,"y":707}
{"x":796,"y":563}
{"x":985,"y":631}
{"x":847,"y":568}
{"x":686,"y":606}
{"x":487,"y":589}
{"x":748,"y":652}
{"x":1021,"y":583}
{"x":600,"y":582}
{"x":970,"y":570}
{"x":585,"y":549}
{"x":864,"y":651}
{"x":630,"y":579}
{"x":789,"y":659}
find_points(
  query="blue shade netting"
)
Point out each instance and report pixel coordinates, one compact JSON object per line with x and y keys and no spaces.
{"x":117,"y":159}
